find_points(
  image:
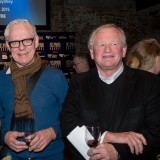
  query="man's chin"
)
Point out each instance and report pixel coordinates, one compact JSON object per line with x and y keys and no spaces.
{"x":20,"y":64}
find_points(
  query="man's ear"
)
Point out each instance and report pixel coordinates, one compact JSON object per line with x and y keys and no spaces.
{"x":36,"y":41}
{"x":91,"y":53}
{"x":124,"y":50}
{"x":8,"y":47}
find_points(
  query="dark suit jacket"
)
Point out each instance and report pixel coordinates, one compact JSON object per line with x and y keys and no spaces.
{"x":138,"y":108}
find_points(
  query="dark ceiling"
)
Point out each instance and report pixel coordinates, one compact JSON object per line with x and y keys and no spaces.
{"x":141,"y":4}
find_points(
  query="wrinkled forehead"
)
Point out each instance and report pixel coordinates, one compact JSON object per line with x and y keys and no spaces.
{"x":108,"y":35}
{"x":20,"y":30}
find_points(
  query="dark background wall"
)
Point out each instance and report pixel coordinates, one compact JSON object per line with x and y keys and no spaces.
{"x":82,"y":16}
{"x":72,"y":21}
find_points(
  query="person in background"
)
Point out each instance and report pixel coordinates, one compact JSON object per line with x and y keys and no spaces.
{"x":145,"y":55}
{"x":82,"y":62}
{"x":124,"y":102}
{"x":20,"y":97}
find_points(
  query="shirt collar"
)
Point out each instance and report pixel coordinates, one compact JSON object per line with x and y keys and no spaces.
{"x":112,"y":78}
{"x":8,"y":71}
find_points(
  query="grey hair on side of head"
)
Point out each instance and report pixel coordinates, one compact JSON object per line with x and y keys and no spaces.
{"x":17,"y":21}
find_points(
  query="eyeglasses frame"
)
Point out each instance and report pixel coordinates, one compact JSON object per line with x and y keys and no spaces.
{"x":9,"y":42}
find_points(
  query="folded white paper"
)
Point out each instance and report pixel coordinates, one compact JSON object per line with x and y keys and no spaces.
{"x":77,"y":138}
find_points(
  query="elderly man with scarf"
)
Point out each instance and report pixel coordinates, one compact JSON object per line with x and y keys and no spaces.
{"x":21,"y":96}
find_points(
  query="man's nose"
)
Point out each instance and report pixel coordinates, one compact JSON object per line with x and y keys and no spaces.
{"x":21,"y":45}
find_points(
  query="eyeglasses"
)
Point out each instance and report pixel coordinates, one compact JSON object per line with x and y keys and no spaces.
{"x":25,"y":42}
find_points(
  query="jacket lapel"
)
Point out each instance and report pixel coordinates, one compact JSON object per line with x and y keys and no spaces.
{"x":125,"y":95}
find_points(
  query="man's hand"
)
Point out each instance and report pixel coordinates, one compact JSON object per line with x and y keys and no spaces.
{"x":42,"y":139}
{"x":12,"y":142}
{"x":103,"y":152}
{"x":134,"y":140}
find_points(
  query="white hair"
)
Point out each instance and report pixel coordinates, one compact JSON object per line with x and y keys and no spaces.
{"x":17,"y":21}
